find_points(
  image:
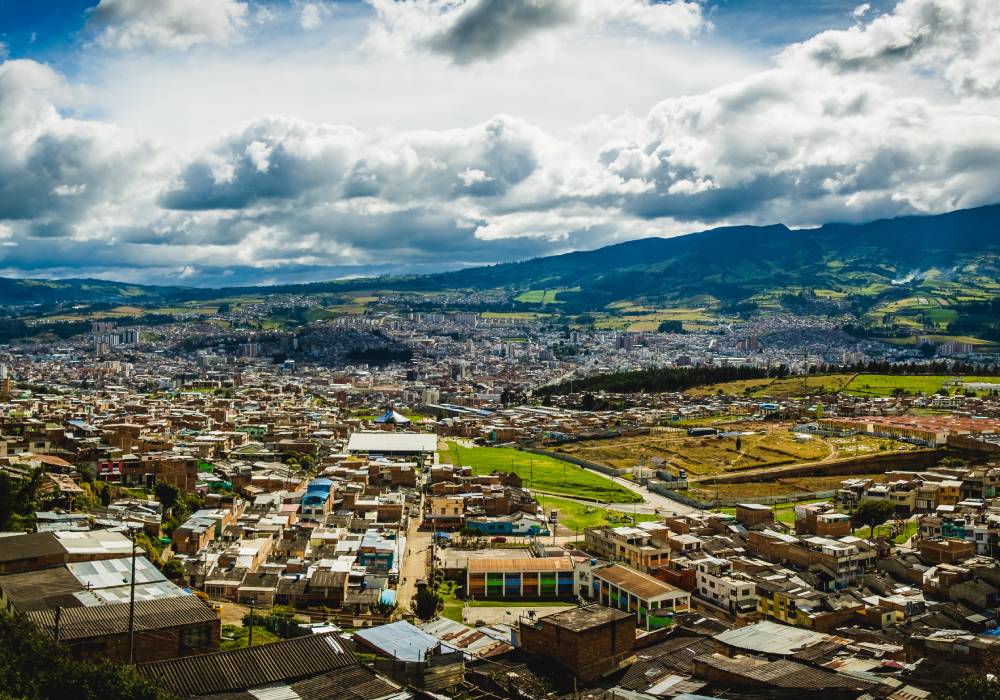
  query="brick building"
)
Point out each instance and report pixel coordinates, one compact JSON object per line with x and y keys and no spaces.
{"x":590,"y":641}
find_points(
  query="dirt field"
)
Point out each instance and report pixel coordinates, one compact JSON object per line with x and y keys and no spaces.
{"x":761,"y":445}
{"x":781,"y":487}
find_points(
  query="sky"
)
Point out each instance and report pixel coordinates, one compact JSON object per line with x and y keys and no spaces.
{"x":231,"y":142}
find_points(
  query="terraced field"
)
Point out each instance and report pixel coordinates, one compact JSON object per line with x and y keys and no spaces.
{"x":763,"y":445}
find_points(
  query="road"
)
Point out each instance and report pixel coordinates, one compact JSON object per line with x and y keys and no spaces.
{"x":652,"y":503}
{"x":415,"y":561}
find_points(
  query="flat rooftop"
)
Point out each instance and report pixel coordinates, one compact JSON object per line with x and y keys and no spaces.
{"x":585,"y":617}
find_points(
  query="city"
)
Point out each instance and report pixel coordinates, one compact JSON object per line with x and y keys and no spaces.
{"x":499,"y":349}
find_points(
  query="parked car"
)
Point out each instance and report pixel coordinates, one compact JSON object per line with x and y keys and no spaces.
{"x":499,"y":540}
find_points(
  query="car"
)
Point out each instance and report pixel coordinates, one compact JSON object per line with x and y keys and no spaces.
{"x":499,"y":540}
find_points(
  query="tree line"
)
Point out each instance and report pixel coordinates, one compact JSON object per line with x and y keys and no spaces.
{"x":668,"y":379}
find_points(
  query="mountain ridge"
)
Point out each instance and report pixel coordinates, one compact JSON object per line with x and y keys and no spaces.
{"x":727,"y":263}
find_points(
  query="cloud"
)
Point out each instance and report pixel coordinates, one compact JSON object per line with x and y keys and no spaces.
{"x":312,"y":15}
{"x":467,"y":31}
{"x":806,"y":141}
{"x":954,"y":38}
{"x":280,"y":159}
{"x":167,"y":24}
{"x":58,"y":176}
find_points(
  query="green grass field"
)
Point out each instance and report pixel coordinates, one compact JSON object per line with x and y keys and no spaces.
{"x":539,"y":473}
{"x":578,"y":516}
{"x":886,"y":385}
{"x":909,"y":530}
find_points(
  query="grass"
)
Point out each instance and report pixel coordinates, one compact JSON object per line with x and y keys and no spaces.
{"x":909,"y":530}
{"x":805,"y":385}
{"x":238,"y":637}
{"x":887,"y":385}
{"x":542,"y":296}
{"x":578,"y":516}
{"x":540,"y":473}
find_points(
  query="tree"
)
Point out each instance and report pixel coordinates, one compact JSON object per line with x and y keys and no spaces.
{"x":426,"y":604}
{"x":167,"y":494}
{"x":9,"y":490}
{"x":981,"y":684}
{"x":873,"y":514}
{"x":35,"y":667}
{"x":671,"y":327}
{"x":173,"y":569}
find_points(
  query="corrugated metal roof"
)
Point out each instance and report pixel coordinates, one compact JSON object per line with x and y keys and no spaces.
{"x":403,"y":641}
{"x":351,"y":683}
{"x":229,"y":671}
{"x":165,"y":613}
{"x":637,"y":583}
{"x":521,"y":565}
{"x":771,"y":638}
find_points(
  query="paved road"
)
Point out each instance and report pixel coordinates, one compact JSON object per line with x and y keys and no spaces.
{"x":652,"y":502}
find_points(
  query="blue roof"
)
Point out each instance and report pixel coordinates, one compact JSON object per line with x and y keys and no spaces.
{"x":392,"y":417}
{"x":402,"y":641}
{"x":320,"y":485}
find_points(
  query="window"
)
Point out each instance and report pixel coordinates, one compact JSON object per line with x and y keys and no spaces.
{"x":196,"y":637}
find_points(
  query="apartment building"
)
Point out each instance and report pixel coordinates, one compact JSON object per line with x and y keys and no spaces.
{"x":721,"y":587}
{"x":637,"y":547}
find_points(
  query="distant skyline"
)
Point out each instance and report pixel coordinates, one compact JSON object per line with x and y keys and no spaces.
{"x":230,"y":142}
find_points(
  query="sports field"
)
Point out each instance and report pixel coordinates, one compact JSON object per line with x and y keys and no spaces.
{"x":539,"y":473}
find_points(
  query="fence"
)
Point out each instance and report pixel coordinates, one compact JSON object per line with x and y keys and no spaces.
{"x":664,"y":490}
{"x":585,"y":463}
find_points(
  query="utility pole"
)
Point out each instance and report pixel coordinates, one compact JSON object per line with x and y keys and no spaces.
{"x":252,"y":616}
{"x":131,"y":605}
{"x":58,"y":619}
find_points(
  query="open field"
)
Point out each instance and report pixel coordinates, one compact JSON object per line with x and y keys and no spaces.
{"x":542,"y":296}
{"x":887,"y":385}
{"x":762,"y":445}
{"x":627,"y":317}
{"x":779,"y":487}
{"x":576,"y":516}
{"x":539,"y":473}
{"x":806,"y":385}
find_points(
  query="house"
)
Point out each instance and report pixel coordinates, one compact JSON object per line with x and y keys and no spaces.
{"x":590,"y":641}
{"x":165,"y":628}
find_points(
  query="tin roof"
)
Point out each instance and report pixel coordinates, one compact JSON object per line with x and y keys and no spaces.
{"x":240,"y":669}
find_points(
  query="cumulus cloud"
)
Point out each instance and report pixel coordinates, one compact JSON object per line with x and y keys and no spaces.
{"x":167,"y":24}
{"x":955,"y":38}
{"x":58,"y":175}
{"x":810,"y":140}
{"x":282,"y":158}
{"x":475,"y":30}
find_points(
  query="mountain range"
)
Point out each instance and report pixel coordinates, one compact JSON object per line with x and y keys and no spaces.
{"x":956,"y":255}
